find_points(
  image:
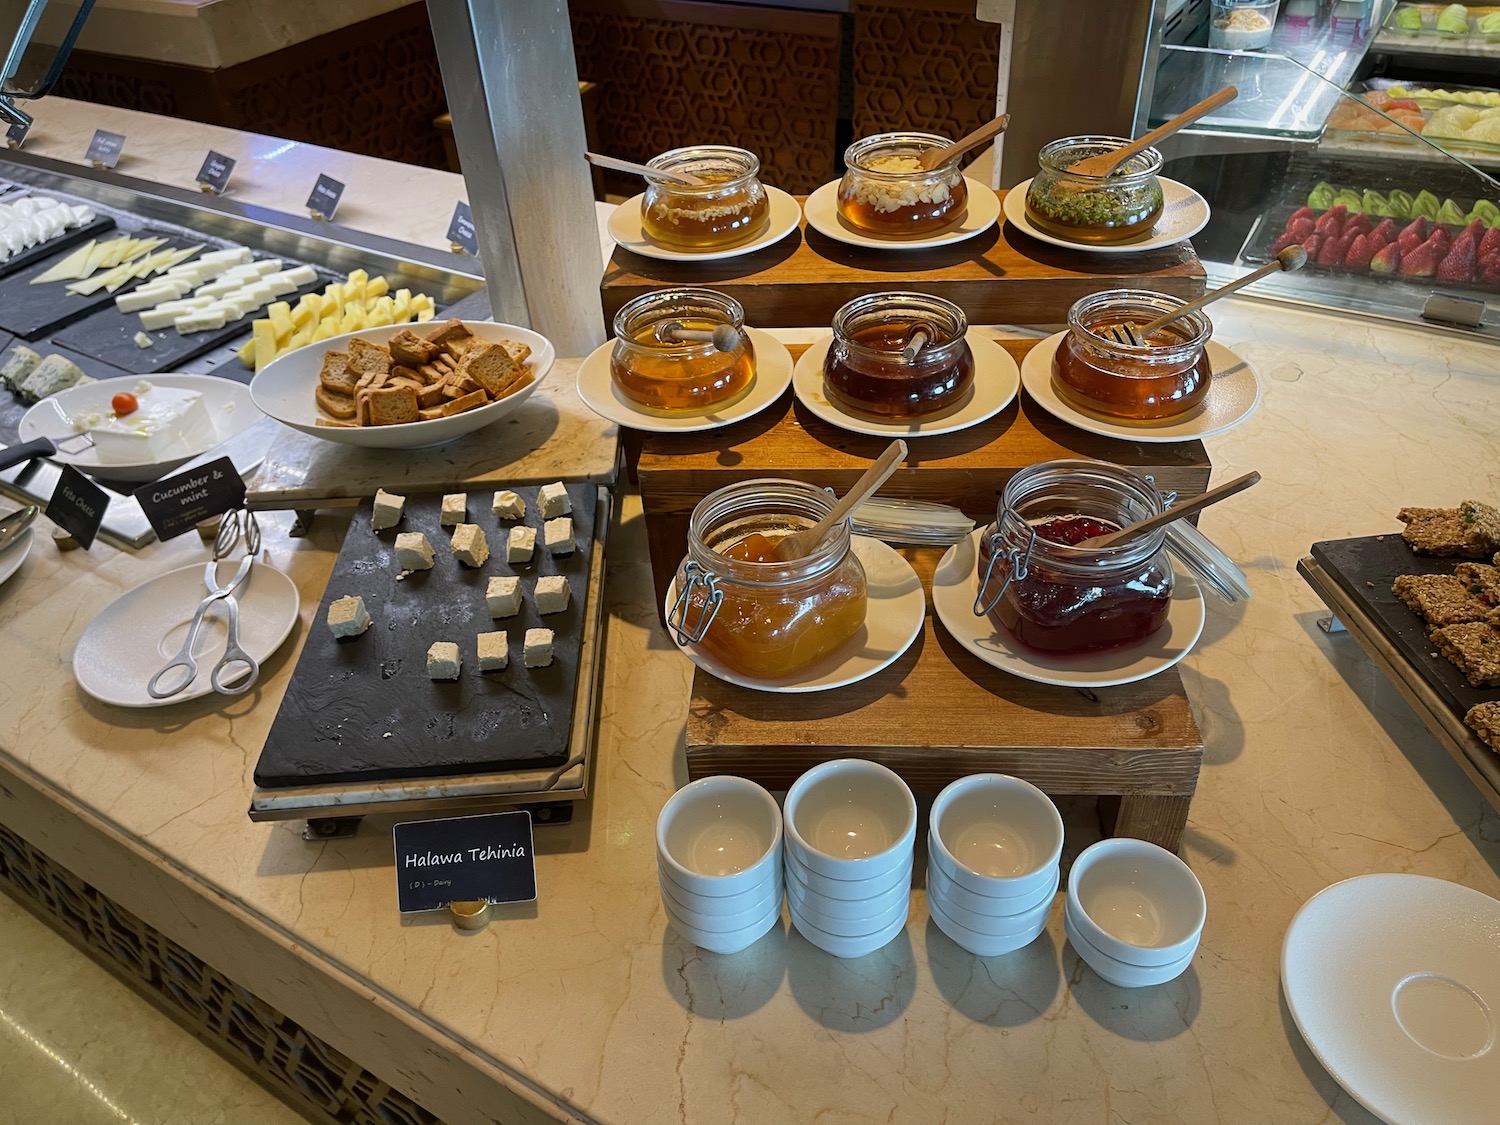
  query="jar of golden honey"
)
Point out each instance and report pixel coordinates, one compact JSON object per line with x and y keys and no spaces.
{"x":886,"y":191}
{"x":878,"y":365}
{"x":1085,"y":208}
{"x":653,"y":370}
{"x":1159,"y":376}
{"x":759,"y":616}
{"x":729,"y":208}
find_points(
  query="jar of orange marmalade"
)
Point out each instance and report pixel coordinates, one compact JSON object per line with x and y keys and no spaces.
{"x":761,"y":617}
{"x":728,"y":208}
{"x":680,"y":377}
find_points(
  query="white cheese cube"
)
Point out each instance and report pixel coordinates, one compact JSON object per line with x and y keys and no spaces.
{"x":494,"y":651}
{"x":142,"y":340}
{"x":443,"y":660}
{"x":226,"y":258}
{"x":558,"y":535}
{"x":552,"y":501}
{"x":152,"y":319}
{"x":348,"y":617}
{"x":259,"y":268}
{"x":413,"y":552}
{"x":521,"y":545}
{"x":503,"y":596}
{"x":551,"y":594}
{"x":280,"y":284}
{"x":300,"y":276}
{"x":387,"y":511}
{"x":508,"y":506}
{"x":217,"y":288}
{"x":538,"y":650}
{"x":455,"y":509}
{"x":145,"y":297}
{"x":469,"y":544}
{"x":200,"y":320}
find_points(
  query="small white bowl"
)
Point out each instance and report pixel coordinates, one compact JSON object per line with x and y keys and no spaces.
{"x":1136,"y":902}
{"x":719,"y":835}
{"x":846,"y":907}
{"x":846,"y":947}
{"x":810,"y":906}
{"x":731,"y":942}
{"x":851,"y":819}
{"x":850,"y":890}
{"x":715,"y":920}
{"x":991,"y":924}
{"x":984,"y":945}
{"x":1118,"y":972}
{"x":719,"y":904}
{"x":995,"y":835}
{"x":984,"y":904}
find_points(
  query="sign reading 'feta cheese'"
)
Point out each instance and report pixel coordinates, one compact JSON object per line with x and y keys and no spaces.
{"x":175,"y":505}
{"x":486,"y":858}
{"x":77,"y":506}
{"x":215,"y":173}
{"x":324,"y":200}
{"x":104,"y":150}
{"x":461,"y":230}
{"x":15,"y":136}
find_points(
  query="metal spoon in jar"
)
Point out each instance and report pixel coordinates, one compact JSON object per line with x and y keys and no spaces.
{"x":801,"y":543}
{"x":1186,"y":508}
{"x":1292,"y":258}
{"x":618,"y":165}
{"x":724,"y":338}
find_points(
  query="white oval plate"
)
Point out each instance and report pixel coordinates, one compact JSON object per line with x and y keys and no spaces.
{"x":1232,"y":397}
{"x":228,"y":403}
{"x":284,"y":390}
{"x":13,"y":556}
{"x":980,"y":213}
{"x":138,"y":632}
{"x":773,"y":373}
{"x":996,"y":381}
{"x":955,"y":585}
{"x":1183,"y":214}
{"x":625,"y":228}
{"x":893,"y":618}
{"x":1394,"y":981}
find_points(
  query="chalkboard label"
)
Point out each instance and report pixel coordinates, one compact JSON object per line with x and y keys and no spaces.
{"x":215,"y":173}
{"x":175,"y":505}
{"x":324,"y":200}
{"x":15,"y":136}
{"x":486,"y":858}
{"x":104,"y":149}
{"x":77,"y":506}
{"x":461,"y":229}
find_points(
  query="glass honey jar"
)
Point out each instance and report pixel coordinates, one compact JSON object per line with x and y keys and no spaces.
{"x":1162,"y":376}
{"x":1094,"y":208}
{"x":729,"y":208}
{"x":761,"y":617}
{"x":886,"y":191}
{"x":680,"y":377}
{"x":870,"y":368}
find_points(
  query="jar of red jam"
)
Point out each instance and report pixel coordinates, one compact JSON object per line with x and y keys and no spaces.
{"x":874,"y":367}
{"x":1161,"y":376}
{"x":1051,"y":593}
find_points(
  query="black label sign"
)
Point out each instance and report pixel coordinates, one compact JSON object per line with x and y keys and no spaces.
{"x":15,"y":136}
{"x":216,"y":170}
{"x":175,"y":505}
{"x":465,"y":859}
{"x":461,"y":229}
{"x":325,"y":197}
{"x":77,"y":506}
{"x":105,"y":148}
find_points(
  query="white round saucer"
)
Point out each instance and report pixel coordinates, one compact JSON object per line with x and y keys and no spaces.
{"x":897,"y":608}
{"x":773,"y":373}
{"x":980,"y":213}
{"x":1232,"y":397}
{"x":13,"y":556}
{"x":1183,"y":214}
{"x":625,"y":228}
{"x":955,"y":585}
{"x":996,"y":381}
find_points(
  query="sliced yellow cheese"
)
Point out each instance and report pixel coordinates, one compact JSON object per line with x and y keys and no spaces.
{"x":300,"y":338}
{"x":424,"y":314}
{"x":358,"y":278}
{"x":378,"y":317}
{"x":247,"y":353}
{"x":68,"y":268}
{"x":304,"y":316}
{"x":353,"y":321}
{"x":377,"y":287}
{"x":279,"y":308}
{"x":265,"y":343}
{"x":281,"y":326}
{"x":326,"y":330}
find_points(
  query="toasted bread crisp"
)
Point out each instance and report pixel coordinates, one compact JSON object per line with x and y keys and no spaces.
{"x":391,"y":406}
{"x":366,"y":358}
{"x":1480,"y":579}
{"x":340,"y":406}
{"x":334,"y":422}
{"x":411,"y":350}
{"x":518,"y":351}
{"x":336,"y":375}
{"x":1484,"y":720}
{"x":467,"y":402}
{"x":453,"y":336}
{"x":1471,"y":530}
{"x":1440,"y":598}
{"x":493,"y":368}
{"x":1475,"y":647}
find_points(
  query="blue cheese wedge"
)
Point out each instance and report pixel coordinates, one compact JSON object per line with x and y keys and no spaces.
{"x":538,"y":649}
{"x":455,"y":509}
{"x":348,"y":617}
{"x":494,"y":651}
{"x":521,"y":545}
{"x":552,"y":500}
{"x":387,"y":511}
{"x":558,"y":535}
{"x":53,"y":374}
{"x":503,"y":596}
{"x":469,"y":544}
{"x":413,"y":551}
{"x":551,"y":594}
{"x":444,"y":661}
{"x":18,"y":365}
{"x":507,"y":505}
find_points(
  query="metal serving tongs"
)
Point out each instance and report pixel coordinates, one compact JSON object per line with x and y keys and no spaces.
{"x":232,"y":527}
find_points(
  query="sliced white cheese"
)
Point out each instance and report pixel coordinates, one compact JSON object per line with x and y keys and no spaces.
{"x":281,"y":284}
{"x":200,"y":320}
{"x":146,"y":297}
{"x":306,"y":275}
{"x":69,"y":266}
{"x":218,"y":287}
{"x":152,"y":319}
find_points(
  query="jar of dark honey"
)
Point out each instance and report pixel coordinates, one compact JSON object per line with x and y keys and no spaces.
{"x":875,"y":365}
{"x":1161,"y":376}
{"x":729,"y":208}
{"x":650,"y":369}
{"x":886,"y":191}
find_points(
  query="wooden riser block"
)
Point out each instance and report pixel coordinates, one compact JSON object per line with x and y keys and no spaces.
{"x":1000,"y":276}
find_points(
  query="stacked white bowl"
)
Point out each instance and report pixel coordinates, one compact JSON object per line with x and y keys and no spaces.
{"x":1134,"y":912}
{"x":850,"y":826}
{"x":993,"y":850}
{"x":718,"y":862}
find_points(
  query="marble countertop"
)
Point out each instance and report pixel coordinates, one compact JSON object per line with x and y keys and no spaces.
{"x":587,"y":1006}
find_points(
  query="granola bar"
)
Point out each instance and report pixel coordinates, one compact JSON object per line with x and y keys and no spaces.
{"x":1471,"y":530}
{"x":1482,"y":580}
{"x":1440,"y":598}
{"x":1484,"y":720}
{"x":1475,"y":647}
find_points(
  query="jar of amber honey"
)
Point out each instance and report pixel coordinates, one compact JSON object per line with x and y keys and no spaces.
{"x":1160,"y":376}
{"x":728,"y":208}
{"x":759,"y":616}
{"x":1085,"y":208}
{"x":653,"y":370}
{"x":876,"y":365}
{"x":886,"y":191}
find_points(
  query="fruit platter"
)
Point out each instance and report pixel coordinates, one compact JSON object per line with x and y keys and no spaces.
{"x":1446,"y":21}
{"x":1447,"y":117}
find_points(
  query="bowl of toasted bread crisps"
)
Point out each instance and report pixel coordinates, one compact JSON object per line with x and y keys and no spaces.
{"x":404,"y":386}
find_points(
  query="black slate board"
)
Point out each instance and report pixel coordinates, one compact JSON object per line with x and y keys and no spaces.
{"x":1364,"y":568}
{"x":96,"y":226}
{"x":346,"y":697}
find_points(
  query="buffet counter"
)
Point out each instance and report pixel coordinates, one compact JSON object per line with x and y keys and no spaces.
{"x":587,"y":1006}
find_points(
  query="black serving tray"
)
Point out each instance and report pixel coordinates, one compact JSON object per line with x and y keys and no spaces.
{"x":99,"y":224}
{"x":363,"y":709}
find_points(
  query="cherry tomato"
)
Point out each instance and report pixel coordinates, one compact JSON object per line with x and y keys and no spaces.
{"x":124,"y":403}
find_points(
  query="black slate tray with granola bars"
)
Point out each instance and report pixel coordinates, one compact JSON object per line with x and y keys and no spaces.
{"x":363,"y":708}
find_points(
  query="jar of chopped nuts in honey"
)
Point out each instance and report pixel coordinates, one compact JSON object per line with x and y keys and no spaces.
{"x":730,"y":206}
{"x":886,"y":191}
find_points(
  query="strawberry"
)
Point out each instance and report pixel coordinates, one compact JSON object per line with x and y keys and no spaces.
{"x":1360,"y":224}
{"x":1332,"y":222}
{"x":1458,"y":264}
{"x":1387,"y":259}
{"x":1491,"y":276}
{"x":1302,"y":213}
{"x":1476,"y":228}
{"x":1288,"y":239}
{"x":1421,"y":262}
{"x":1413,"y":234}
{"x":1312,"y":243}
{"x":1489,"y":244}
{"x":1385,"y":232}
{"x":1301,"y":228}
{"x":1361,"y":252}
{"x":1331,"y":252}
{"x":1441,"y":239}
